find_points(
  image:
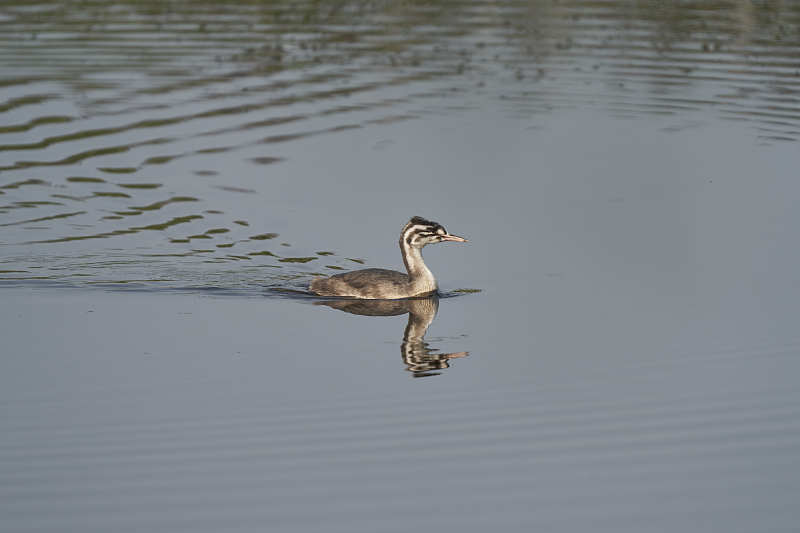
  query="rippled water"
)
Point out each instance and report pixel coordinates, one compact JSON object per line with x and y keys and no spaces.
{"x":615,"y":348}
{"x":138,"y":132}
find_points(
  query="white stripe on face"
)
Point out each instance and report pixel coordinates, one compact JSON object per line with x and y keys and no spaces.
{"x":416,"y":228}
{"x":413,"y":233}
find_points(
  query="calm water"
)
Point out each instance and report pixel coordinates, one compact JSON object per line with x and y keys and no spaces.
{"x":616,"y":349}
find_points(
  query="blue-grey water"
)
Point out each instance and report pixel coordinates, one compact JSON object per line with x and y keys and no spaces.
{"x":616,"y":348}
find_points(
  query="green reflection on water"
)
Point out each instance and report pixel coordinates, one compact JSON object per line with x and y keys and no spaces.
{"x":159,"y":160}
{"x":41,"y":219}
{"x":117,"y":170}
{"x":158,"y":205}
{"x":81,"y":156}
{"x":139,"y":185}
{"x":33,"y":123}
{"x":297,"y":259}
{"x":171,"y":222}
{"x":81,"y":179}
{"x":21,"y":101}
{"x":112,"y":194}
{"x":29,"y":204}
{"x":18,"y":184}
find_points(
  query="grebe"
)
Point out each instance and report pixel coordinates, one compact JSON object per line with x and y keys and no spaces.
{"x":382,"y":284}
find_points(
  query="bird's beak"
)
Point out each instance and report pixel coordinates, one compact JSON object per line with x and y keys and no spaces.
{"x":454,"y":238}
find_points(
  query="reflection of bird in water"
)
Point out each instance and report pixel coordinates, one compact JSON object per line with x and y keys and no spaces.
{"x":420,"y":359}
{"x":379,"y":283}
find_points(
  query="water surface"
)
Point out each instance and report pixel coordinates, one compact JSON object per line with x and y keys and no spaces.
{"x":615,"y":349}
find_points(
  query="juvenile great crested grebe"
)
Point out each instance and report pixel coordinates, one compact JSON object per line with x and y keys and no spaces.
{"x":379,"y":283}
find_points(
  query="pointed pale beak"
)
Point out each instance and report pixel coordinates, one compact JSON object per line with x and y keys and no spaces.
{"x":454,"y":238}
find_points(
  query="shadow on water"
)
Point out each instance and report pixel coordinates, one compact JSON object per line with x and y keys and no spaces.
{"x":420,"y":358}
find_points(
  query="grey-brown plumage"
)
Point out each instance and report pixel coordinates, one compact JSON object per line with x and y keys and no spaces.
{"x":379,"y":283}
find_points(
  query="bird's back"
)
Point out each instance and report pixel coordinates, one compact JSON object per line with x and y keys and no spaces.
{"x":373,"y":283}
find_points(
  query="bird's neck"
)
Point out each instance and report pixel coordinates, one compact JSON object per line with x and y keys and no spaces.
{"x":421,"y":312}
{"x":419,"y":275}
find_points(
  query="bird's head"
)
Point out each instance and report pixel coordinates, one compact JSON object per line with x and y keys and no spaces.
{"x":419,"y":232}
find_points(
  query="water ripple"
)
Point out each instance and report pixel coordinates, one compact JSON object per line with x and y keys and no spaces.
{"x":172,"y":99}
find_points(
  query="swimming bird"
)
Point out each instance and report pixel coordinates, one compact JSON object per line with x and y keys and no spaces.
{"x":379,"y":283}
